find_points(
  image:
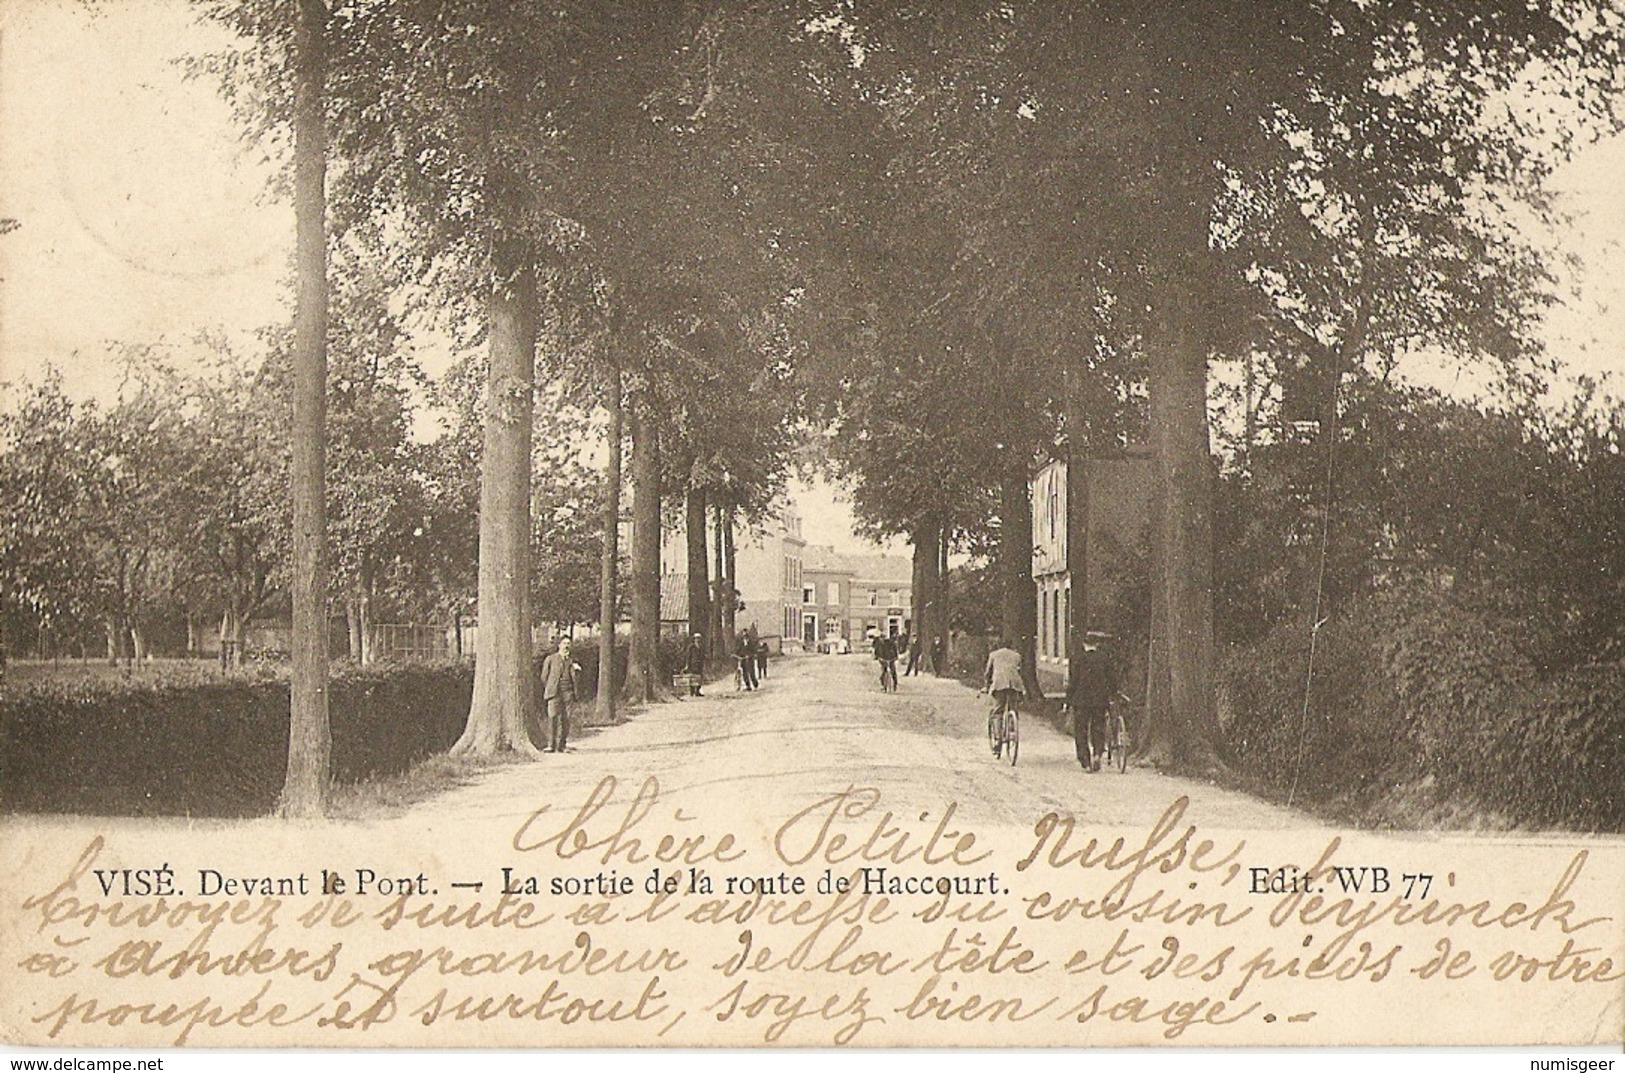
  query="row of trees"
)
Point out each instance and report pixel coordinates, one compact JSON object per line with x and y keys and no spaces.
{"x":1515,"y":511}
{"x":1059,"y":217}
{"x":113,"y":515}
{"x":925,"y":208}
{"x":159,"y":522}
{"x":954,"y":240}
{"x":549,"y":166}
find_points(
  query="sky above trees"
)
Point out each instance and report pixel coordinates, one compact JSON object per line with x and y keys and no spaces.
{"x":144,"y":219}
{"x":957,"y":248}
{"x":141,"y":215}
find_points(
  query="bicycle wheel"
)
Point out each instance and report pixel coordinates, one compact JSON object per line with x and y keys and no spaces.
{"x":1012,"y":735}
{"x":1120,"y":746}
{"x":995,"y":731}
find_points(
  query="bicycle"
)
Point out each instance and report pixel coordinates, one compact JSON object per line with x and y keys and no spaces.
{"x":1004,"y":730}
{"x":1117,"y":740}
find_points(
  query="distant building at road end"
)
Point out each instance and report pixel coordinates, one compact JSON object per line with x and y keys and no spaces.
{"x":849,"y":598}
{"x":800,"y":597}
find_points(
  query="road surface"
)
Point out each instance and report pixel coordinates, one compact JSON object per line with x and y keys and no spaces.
{"x":819,"y":724}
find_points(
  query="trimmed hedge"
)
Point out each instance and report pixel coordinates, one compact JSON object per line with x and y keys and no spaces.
{"x":215,"y":748}
{"x":192,"y":743}
{"x":1415,"y":690}
{"x":586,"y":654}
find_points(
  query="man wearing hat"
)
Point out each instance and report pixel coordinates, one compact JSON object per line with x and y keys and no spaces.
{"x":694,"y":664}
{"x":1091,"y":684}
{"x":558,"y":692}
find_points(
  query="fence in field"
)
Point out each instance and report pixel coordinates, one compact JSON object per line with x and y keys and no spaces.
{"x":411,"y":642}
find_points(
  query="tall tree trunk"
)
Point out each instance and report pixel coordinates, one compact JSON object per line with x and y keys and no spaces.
{"x":699,"y":579}
{"x":1077,"y":522}
{"x":642,"y":669}
{"x":917,"y":589}
{"x":721,"y":643}
{"x":352,"y":624}
{"x":1249,"y":412}
{"x":1019,"y":604}
{"x":368,"y":640}
{"x":609,"y":562}
{"x":1176,"y":348}
{"x":928,"y":591}
{"x":1316,"y":603}
{"x":1158,"y":735}
{"x":304,"y":792}
{"x":945,"y":608}
{"x":730,"y":587}
{"x":503,"y":705}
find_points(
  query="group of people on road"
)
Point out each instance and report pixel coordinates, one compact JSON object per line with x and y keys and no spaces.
{"x":560,"y":673}
{"x":751,"y":654}
{"x":916,"y":653}
{"x":1091,"y":686}
{"x":889,"y":648}
{"x":1091,"y":683}
{"x":750,"y":662}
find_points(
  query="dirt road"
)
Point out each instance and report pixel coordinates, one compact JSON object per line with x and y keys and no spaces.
{"x":820,"y":724}
{"x":771,"y":867}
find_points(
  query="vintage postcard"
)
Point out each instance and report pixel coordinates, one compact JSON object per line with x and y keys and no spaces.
{"x":958,"y":702}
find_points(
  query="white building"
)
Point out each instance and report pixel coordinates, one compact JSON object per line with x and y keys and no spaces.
{"x":1118,"y":527}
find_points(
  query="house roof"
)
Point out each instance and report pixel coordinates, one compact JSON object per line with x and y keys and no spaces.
{"x":884,"y":568}
{"x":893,"y":568}
{"x":822,"y":557}
{"x":674,"y":597}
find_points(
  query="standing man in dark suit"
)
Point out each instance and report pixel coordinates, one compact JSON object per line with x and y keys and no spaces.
{"x":916,"y":649}
{"x":1092,"y":682}
{"x":558,"y":693}
{"x":694,"y":664}
{"x":745,"y":652}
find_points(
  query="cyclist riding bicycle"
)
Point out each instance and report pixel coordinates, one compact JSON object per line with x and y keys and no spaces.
{"x":886,"y":656}
{"x":1003,"y":676}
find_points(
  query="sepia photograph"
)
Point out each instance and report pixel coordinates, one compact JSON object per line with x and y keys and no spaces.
{"x":811,"y":524}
